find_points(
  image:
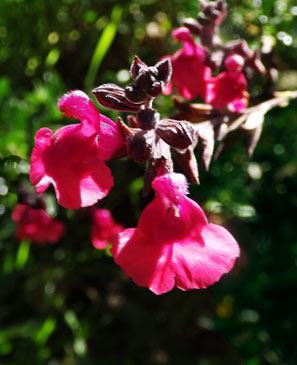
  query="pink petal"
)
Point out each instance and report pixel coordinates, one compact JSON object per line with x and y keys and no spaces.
{"x":83,"y":186}
{"x":111,"y":140}
{"x":70,"y":161}
{"x":190,"y":48}
{"x":228,"y":89}
{"x":167,"y":90}
{"x":190,"y":75}
{"x":171,"y":186}
{"x":197,"y":267}
{"x":99,"y":244}
{"x":77,"y":105}
{"x":182,"y":34}
{"x":104,"y":229}
{"x":147,"y":262}
{"x":38,"y":175}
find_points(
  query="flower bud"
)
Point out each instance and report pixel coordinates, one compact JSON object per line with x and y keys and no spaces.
{"x":153,"y":71}
{"x":240,"y":47}
{"x":134,"y":94}
{"x":204,"y":21}
{"x":156,"y":88}
{"x":212,"y":13}
{"x":192,"y":25}
{"x":142,"y":79}
{"x":255,"y":62}
{"x":137,"y":66}
{"x":164,"y":68}
{"x":203,"y":5}
{"x":178,"y":134}
{"x":221,"y":5}
{"x":147,"y":118}
{"x":139,"y":147}
{"x":113,"y":97}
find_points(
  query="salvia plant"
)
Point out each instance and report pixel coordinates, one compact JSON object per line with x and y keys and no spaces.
{"x":173,"y":243}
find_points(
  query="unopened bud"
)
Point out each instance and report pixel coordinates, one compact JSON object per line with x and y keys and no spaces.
{"x":156,"y":88}
{"x":153,"y":71}
{"x":192,"y":25}
{"x":240,"y":47}
{"x":178,"y":134}
{"x":143,"y":79}
{"x":221,"y":5}
{"x":204,"y":21}
{"x":147,"y":118}
{"x":164,"y":68}
{"x":212,"y":13}
{"x":203,"y":5}
{"x":139,"y":147}
{"x":137,"y":66}
{"x":134,"y":94}
{"x":113,"y":97}
{"x":255,"y":63}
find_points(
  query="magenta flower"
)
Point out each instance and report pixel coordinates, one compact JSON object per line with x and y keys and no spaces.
{"x":173,"y":243}
{"x":36,"y":225}
{"x":104,"y":229}
{"x":72,"y":158}
{"x":229,"y":88}
{"x":190,"y":74}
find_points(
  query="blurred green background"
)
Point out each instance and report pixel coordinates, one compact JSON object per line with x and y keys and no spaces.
{"x":69,"y":303}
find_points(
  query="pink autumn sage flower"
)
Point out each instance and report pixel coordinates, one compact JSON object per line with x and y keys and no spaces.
{"x":173,"y":243}
{"x":229,"y":88}
{"x":72,"y":158}
{"x":104,"y":229}
{"x":190,"y":74}
{"x":36,"y":225}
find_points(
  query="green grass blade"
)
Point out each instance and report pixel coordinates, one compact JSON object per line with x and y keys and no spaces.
{"x":102,"y":47}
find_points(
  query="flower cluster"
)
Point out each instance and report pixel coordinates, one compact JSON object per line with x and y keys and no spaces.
{"x":173,"y":244}
{"x":193,"y":77}
{"x":194,"y":64}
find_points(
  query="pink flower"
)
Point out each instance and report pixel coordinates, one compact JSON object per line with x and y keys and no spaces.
{"x":72,"y":158}
{"x":36,"y":225}
{"x":173,"y":243}
{"x":229,"y":88}
{"x":190,"y":74}
{"x":104,"y":230}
